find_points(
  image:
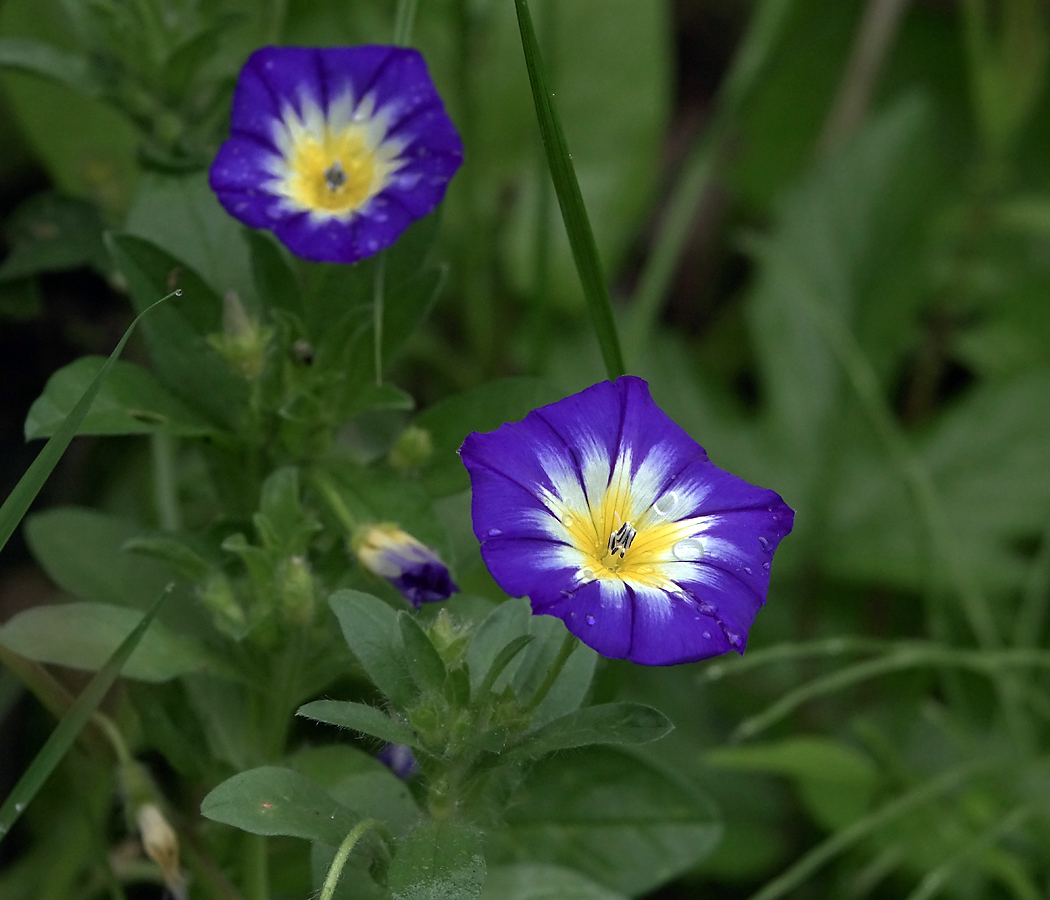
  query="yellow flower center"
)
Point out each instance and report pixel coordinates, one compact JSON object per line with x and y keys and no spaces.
{"x":337,"y":174}
{"x":632,"y":550}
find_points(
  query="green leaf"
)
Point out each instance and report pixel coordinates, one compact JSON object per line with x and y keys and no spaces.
{"x":50,"y":232}
{"x":179,"y":352}
{"x":607,"y":723}
{"x":131,"y":401}
{"x":178,"y":556}
{"x":276,"y":283}
{"x":507,"y":622}
{"x":52,"y":753}
{"x":573,"y":210}
{"x":84,"y":635}
{"x":424,"y":662}
{"x":539,"y":882}
{"x":272,"y":800}
{"x":836,"y":782}
{"x":362,"y":783}
{"x":82,"y":551}
{"x":483,"y":408}
{"x":182,"y":215}
{"x":359,"y":717}
{"x":373,"y":634}
{"x":17,"y":503}
{"x":38,"y":58}
{"x":439,"y":861}
{"x":503,"y":659}
{"x":612,"y":816}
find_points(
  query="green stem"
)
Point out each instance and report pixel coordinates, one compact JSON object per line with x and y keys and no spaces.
{"x":570,"y":643}
{"x":330,"y":494}
{"x":277,"y":16}
{"x":1031,"y":618}
{"x":336,"y":868}
{"x":406,"y":17}
{"x":541,"y":260}
{"x":255,"y":868}
{"x":573,"y":210}
{"x":378,"y":296}
{"x":165,"y":490}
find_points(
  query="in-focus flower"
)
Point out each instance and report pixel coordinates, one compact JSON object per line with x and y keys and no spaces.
{"x":414,"y":569}
{"x":606,"y":514}
{"x":399,"y":759}
{"x":336,"y":150}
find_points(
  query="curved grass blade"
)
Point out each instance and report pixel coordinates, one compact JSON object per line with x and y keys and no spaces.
{"x":62,"y":737}
{"x":573,"y":211}
{"x":18,"y":501}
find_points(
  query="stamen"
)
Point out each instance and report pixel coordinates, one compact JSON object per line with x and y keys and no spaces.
{"x":335,"y":176}
{"x":620,"y":540}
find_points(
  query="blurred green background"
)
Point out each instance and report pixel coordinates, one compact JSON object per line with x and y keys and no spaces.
{"x":826,"y":227}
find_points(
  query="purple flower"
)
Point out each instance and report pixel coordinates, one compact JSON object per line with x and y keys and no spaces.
{"x":399,"y":759}
{"x":336,"y":150}
{"x":606,"y":514}
{"x":414,"y":569}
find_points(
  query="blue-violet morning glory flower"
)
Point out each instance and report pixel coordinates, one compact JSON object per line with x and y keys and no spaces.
{"x":399,"y":759}
{"x":605,"y":513}
{"x":337,"y":150}
{"x":413,"y":568}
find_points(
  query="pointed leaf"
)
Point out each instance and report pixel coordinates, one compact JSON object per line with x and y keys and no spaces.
{"x":608,"y":723}
{"x":359,"y":717}
{"x":272,"y":800}
{"x":424,"y":662}
{"x":440,"y":861}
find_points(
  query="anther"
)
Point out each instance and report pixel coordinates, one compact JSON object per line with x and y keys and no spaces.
{"x":335,"y":176}
{"x":620,"y":540}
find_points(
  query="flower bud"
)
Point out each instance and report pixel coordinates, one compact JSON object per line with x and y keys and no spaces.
{"x":297,"y":590}
{"x":218,"y":596}
{"x":412,"y":449}
{"x":414,"y":569}
{"x":243,"y":341}
{"x":161,"y":845}
{"x":399,"y":759}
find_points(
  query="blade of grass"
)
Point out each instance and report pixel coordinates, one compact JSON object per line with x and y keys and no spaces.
{"x":62,"y":737}
{"x":869,"y":824}
{"x":567,"y":188}
{"x":763,"y":34}
{"x":18,"y":501}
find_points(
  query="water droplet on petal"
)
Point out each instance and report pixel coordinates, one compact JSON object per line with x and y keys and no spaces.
{"x":590,"y":619}
{"x":748,"y":570}
{"x":765,"y":566}
{"x":764,"y":541}
{"x":707,"y":634}
{"x":645,"y":570}
{"x":706,"y":609}
{"x":666,"y":504}
{"x":567,"y":521}
{"x":495,"y":532}
{"x":688,"y":549}
{"x":733,"y":638}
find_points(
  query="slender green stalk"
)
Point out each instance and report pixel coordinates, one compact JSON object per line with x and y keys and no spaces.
{"x":763,"y":34}
{"x":936,"y":879}
{"x":568,"y":645}
{"x":573,"y":210}
{"x":378,"y":299}
{"x":862,"y":828}
{"x":781,"y":653}
{"x":255,"y":867}
{"x":541,"y":259}
{"x":328,"y":491}
{"x":331,"y":880}
{"x":165,"y":483}
{"x":62,"y":738}
{"x":17,"y":503}
{"x":986,"y":662}
{"x":406,"y":17}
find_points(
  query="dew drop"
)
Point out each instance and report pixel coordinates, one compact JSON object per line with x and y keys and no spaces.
{"x":495,"y":532}
{"x":764,"y":541}
{"x":567,"y":521}
{"x":688,"y":549}
{"x":765,"y":566}
{"x":178,"y":292}
{"x":19,"y":807}
{"x":566,"y":594}
{"x":748,"y":570}
{"x":586,"y":574}
{"x":733,"y":638}
{"x":590,"y":619}
{"x":707,"y":634}
{"x":645,"y":570}
{"x":706,"y":609}
{"x":666,"y":504}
